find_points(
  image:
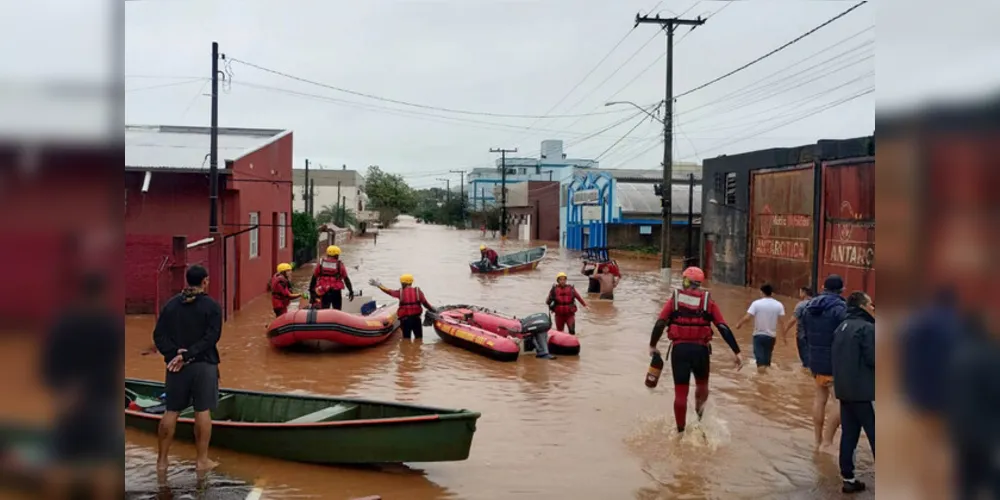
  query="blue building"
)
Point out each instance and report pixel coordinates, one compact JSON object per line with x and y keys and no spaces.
{"x":618,"y":208}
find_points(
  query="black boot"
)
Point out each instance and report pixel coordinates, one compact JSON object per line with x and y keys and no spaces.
{"x":853,"y":486}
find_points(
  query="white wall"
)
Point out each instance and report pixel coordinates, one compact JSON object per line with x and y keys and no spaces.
{"x":327,"y":195}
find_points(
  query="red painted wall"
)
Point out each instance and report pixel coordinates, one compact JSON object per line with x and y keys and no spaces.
{"x":57,"y":215}
{"x":143,"y":256}
{"x":263,"y":179}
{"x":177,"y":205}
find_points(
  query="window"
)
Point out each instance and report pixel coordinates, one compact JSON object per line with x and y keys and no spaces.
{"x":282,"y":230}
{"x":254,"y":235}
{"x":730,"y":188}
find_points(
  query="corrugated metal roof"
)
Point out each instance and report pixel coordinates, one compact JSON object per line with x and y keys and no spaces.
{"x":637,"y":198}
{"x":681,"y":171}
{"x":161,"y":146}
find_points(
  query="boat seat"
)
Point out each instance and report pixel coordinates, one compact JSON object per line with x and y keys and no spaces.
{"x":328,"y":414}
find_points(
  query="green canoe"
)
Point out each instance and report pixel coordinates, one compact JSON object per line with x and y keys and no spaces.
{"x":316,"y":429}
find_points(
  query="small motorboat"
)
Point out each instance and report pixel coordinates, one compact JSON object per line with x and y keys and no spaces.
{"x":497,"y":335}
{"x":313,"y":429}
{"x":525,"y":260}
{"x":363,"y":322}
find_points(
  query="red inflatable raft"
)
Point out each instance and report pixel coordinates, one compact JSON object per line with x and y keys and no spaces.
{"x":362,"y":323}
{"x":493,"y":334}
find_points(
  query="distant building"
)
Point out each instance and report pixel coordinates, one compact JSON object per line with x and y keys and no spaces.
{"x":167,"y":195}
{"x":551,"y":165}
{"x":333,"y":187}
{"x":618,"y":208}
{"x":533,"y":210}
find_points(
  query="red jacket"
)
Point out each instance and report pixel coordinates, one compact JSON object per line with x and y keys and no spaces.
{"x":411,"y":301}
{"x":281,"y":291}
{"x":562,"y":299}
{"x":690,"y":314}
{"x":491,"y":255}
{"x":330,"y":274}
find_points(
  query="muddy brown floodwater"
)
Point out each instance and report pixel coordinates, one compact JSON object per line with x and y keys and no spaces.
{"x":580,"y":428}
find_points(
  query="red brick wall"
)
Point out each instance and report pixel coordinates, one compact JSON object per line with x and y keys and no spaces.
{"x":143,"y":256}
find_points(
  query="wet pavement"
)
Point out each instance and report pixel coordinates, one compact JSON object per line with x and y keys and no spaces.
{"x":583,"y":428}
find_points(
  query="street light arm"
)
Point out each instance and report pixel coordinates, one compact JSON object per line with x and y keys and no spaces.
{"x":640,"y":108}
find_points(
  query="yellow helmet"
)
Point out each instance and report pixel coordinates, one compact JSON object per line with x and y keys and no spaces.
{"x":561,"y":275}
{"x":333,"y":251}
{"x":284,"y":267}
{"x":406,"y":279}
{"x":482,"y":247}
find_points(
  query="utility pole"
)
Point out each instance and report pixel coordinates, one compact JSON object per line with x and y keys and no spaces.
{"x":336,"y":217}
{"x":503,"y":189}
{"x":462,"y":192}
{"x":447,"y":189}
{"x":668,"y":25}
{"x":312,"y":198}
{"x":213,"y":148}
{"x":691,"y":259}
{"x":305,"y":191}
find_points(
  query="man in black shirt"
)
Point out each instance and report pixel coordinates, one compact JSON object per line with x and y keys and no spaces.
{"x":83,"y":365}
{"x":186,"y":335}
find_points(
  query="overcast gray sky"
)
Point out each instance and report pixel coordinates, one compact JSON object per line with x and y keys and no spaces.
{"x":502,"y":57}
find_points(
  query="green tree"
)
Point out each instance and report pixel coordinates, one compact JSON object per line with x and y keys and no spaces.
{"x":305,"y":237}
{"x":389,"y":194}
{"x":337,"y":215}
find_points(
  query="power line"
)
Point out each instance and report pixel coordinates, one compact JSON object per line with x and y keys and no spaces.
{"x":589,"y":73}
{"x":749,"y":89}
{"x":394,"y":111}
{"x":808,"y":114}
{"x":165,"y":85}
{"x":609,"y":148}
{"x":404,"y":103}
{"x":822,"y":76}
{"x":775,"y":51}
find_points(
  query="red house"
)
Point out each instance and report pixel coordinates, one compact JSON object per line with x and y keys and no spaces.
{"x":167,"y":196}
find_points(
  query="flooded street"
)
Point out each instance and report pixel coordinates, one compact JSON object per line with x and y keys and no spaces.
{"x":583,"y":428}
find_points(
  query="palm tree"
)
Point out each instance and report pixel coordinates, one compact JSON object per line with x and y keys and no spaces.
{"x":337,"y":215}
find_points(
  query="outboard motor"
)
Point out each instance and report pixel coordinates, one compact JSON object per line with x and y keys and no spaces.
{"x":536,"y":323}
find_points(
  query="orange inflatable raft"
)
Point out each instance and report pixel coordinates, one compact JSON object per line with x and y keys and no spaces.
{"x":362,"y":323}
{"x":494,"y":334}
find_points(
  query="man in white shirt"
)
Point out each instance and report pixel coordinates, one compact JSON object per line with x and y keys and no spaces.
{"x":767,"y":314}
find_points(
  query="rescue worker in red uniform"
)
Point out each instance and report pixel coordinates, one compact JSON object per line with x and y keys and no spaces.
{"x":689,"y":315}
{"x":329,"y":279}
{"x":281,"y":290}
{"x":490,"y":258}
{"x":411,"y":306}
{"x":562,"y":302}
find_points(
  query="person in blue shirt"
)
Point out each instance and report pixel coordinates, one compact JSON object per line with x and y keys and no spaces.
{"x":823,"y":315}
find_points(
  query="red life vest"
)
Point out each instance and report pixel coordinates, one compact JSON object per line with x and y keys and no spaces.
{"x":409,"y":302}
{"x":564,"y":298}
{"x":690,"y":321}
{"x":331,"y":274}
{"x":279,"y":286}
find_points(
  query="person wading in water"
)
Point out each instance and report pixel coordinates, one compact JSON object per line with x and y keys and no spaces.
{"x":689,"y":315}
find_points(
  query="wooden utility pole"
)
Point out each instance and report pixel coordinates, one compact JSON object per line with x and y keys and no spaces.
{"x":503,"y":189}
{"x":213,"y":148}
{"x":668,"y":25}
{"x":447,"y":189}
{"x":462,"y":192}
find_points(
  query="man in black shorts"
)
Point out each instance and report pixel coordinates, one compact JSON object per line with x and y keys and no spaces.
{"x":186,"y":334}
{"x":689,"y":315}
{"x":83,"y":363}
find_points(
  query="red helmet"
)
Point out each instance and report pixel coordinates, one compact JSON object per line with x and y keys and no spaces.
{"x":694,"y":274}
